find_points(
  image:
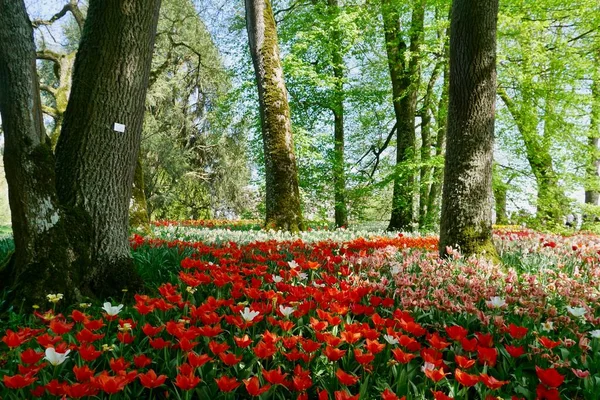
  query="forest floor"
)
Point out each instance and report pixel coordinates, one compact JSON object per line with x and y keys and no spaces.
{"x":232,"y":311}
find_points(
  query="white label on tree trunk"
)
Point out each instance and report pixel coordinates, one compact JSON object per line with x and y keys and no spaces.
{"x":119,"y":127}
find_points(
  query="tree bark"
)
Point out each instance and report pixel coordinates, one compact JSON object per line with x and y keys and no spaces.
{"x":339,"y":176}
{"x":283,"y":196}
{"x":95,"y":163}
{"x":466,"y":221}
{"x":592,"y":186}
{"x":434,"y":195}
{"x":405,"y":85}
{"x":425,"y":180}
{"x":42,"y":260}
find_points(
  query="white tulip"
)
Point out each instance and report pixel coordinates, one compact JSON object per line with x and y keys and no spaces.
{"x":112,"y":310}
{"x":277,"y":278}
{"x":595,"y":333}
{"x":495,"y":302}
{"x":249,"y":315}
{"x":54,"y":357}
{"x":576,"y":311}
{"x":390,"y":339}
{"x":286,"y":311}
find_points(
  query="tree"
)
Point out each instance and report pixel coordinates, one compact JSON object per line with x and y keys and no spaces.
{"x":466,"y":220}
{"x":592,"y":186}
{"x":405,"y":86}
{"x":282,"y":194}
{"x":56,"y":88}
{"x":95,"y":162}
{"x":39,"y":265}
{"x":339,"y":176}
{"x":193,"y":149}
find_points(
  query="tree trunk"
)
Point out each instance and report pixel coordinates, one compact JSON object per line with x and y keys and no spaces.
{"x":42,"y":260}
{"x":283,"y":196}
{"x":550,"y":196}
{"x":433,"y":198}
{"x":138,"y":211}
{"x":426,"y":145}
{"x":339,"y":176}
{"x":466,"y":221}
{"x":592,"y":186}
{"x":95,"y":163}
{"x":405,"y":85}
{"x":500,"y":191}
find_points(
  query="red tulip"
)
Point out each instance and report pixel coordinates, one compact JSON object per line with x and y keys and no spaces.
{"x":253,"y":386}
{"x":150,"y":380}
{"x":549,"y":377}
{"x":18,"y":381}
{"x":345,"y":378}
{"x":465,"y":379}
{"x":227,"y":384}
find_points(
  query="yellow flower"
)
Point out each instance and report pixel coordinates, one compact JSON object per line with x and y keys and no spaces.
{"x":54,"y":298}
{"x":106,"y":347}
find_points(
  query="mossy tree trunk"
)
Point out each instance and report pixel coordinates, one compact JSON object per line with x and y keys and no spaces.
{"x":426,"y":173}
{"x":434,"y":195}
{"x":405,"y":85}
{"x":95,"y":163}
{"x":63,"y":68}
{"x":42,"y":262}
{"x":466,"y":221}
{"x":283,"y":196}
{"x":339,"y":175}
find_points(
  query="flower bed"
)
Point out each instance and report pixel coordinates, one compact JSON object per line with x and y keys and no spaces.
{"x":368,"y":318}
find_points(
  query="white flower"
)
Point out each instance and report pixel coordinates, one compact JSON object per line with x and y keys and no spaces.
{"x":302,"y":276}
{"x":495,"y":302}
{"x":547,"y":326}
{"x":277,"y":278}
{"x":319,"y":285}
{"x":54,"y":298}
{"x":54,"y":357}
{"x":428,"y":367}
{"x":249,"y":315}
{"x":293,"y":264}
{"x":390,"y":339}
{"x":595,"y":333}
{"x":576,"y":311}
{"x":396,"y":270}
{"x":112,"y":310}
{"x":286,"y":311}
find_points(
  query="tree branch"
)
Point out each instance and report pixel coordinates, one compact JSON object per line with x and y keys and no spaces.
{"x":71,"y":7}
{"x":50,"y":111}
{"x":48,"y":89}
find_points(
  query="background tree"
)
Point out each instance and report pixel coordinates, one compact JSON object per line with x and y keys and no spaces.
{"x":282,"y":193}
{"x":193,"y":150}
{"x":466,"y":221}
{"x":405,"y":78}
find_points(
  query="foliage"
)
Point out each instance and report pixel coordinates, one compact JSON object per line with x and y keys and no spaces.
{"x":193,"y":152}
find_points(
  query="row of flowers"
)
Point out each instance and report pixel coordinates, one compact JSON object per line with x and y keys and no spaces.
{"x":364,"y":318}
